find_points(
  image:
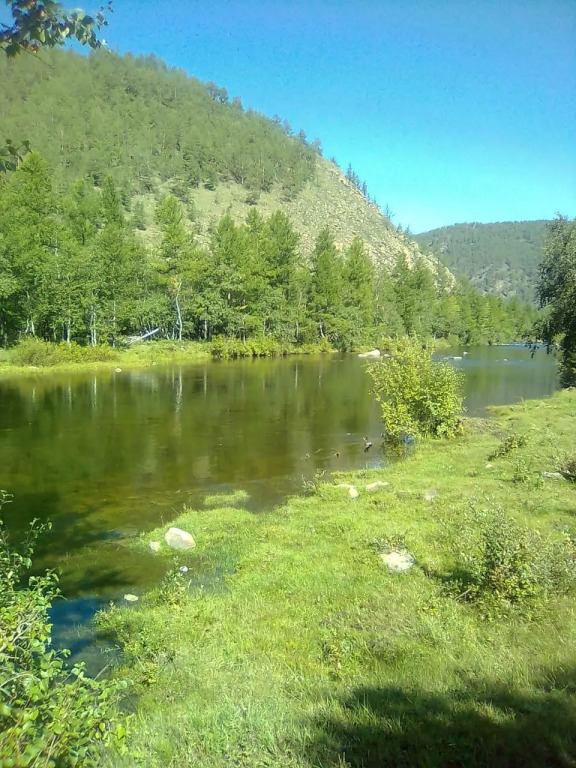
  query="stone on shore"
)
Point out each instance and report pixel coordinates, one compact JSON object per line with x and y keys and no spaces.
{"x":377,"y":486}
{"x":372,"y":353}
{"x":176,"y":538}
{"x":154,"y":546}
{"x":397,"y":562}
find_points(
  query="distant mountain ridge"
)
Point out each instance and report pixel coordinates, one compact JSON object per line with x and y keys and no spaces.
{"x":500,"y":258}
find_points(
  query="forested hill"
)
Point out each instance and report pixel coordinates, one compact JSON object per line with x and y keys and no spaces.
{"x":156,"y":130}
{"x":500,"y":258}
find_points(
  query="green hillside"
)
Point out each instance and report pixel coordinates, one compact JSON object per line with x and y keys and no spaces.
{"x":500,"y":258}
{"x":156,"y":130}
{"x":153,"y":202}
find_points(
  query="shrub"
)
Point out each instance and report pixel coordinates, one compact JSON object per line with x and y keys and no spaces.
{"x":566,"y":465}
{"x":50,"y":715}
{"x":502,"y":563}
{"x":45,"y":353}
{"x":509,"y":444}
{"x":418,"y":396}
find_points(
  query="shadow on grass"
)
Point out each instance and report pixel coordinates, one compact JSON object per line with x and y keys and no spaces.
{"x":478,"y":726}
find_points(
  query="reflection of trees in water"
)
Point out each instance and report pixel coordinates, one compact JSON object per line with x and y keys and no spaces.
{"x":102,"y":448}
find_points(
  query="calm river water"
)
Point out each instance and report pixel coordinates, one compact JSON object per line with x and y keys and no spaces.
{"x":109,"y":455}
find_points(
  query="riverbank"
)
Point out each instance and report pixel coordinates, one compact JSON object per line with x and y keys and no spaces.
{"x":38,"y":358}
{"x":289,"y":643}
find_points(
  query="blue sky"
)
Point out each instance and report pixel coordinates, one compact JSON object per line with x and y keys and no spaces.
{"x":450,"y":110}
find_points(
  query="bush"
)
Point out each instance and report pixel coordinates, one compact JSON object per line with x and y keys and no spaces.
{"x":45,"y":354}
{"x":504,"y":564}
{"x":509,"y":444}
{"x":418,"y":396}
{"x":49,"y":715}
{"x":566,"y":465}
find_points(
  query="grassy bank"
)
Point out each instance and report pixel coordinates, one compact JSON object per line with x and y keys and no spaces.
{"x":289,"y":643}
{"x":36,"y":358}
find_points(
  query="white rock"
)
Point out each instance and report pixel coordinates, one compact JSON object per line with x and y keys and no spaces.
{"x":397,"y":562}
{"x":118,"y":370}
{"x":130,"y":598}
{"x":455,"y":357}
{"x":184,"y":569}
{"x":552,"y":475}
{"x":154,"y":546}
{"x":176,"y":538}
{"x":431,"y":494}
{"x":377,"y":486}
{"x":372,"y":353}
{"x":353,"y":492}
{"x":489,"y":465}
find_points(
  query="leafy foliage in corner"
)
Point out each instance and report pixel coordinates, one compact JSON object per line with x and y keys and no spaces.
{"x":503,"y":564}
{"x":50,"y":715}
{"x":557,"y":290}
{"x":418,"y":396}
{"x":45,"y":23}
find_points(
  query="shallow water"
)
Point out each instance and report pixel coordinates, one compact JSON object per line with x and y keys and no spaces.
{"x":106,"y":456}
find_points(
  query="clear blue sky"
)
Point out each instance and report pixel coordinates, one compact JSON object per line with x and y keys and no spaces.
{"x":450,"y":110}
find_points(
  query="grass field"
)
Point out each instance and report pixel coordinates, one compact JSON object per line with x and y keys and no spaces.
{"x":288,"y":642}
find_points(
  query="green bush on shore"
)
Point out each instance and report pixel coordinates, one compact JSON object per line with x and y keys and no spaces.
{"x":42,"y":354}
{"x":418,"y":396}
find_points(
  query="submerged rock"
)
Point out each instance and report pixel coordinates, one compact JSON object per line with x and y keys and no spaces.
{"x":131,"y":598}
{"x":397,"y":562}
{"x":377,"y":486}
{"x":176,"y":538}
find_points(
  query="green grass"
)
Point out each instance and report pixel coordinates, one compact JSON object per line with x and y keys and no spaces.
{"x":293,"y":646}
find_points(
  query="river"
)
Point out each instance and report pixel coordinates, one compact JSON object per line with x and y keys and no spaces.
{"x":105,"y":456}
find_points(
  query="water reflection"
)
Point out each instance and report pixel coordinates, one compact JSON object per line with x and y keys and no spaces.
{"x":103,"y":454}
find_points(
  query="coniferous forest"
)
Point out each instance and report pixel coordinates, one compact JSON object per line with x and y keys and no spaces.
{"x":100,"y":237}
{"x":73,"y":267}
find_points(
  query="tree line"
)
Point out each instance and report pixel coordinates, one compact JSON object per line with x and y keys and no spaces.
{"x":75,"y":267}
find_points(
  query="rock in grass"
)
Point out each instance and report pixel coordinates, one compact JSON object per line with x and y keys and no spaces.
{"x":130,"y":598}
{"x":176,"y":538}
{"x":431,"y":494}
{"x":154,"y":546}
{"x":352,"y":490}
{"x":552,"y":475}
{"x":377,"y":486}
{"x":397,"y":562}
